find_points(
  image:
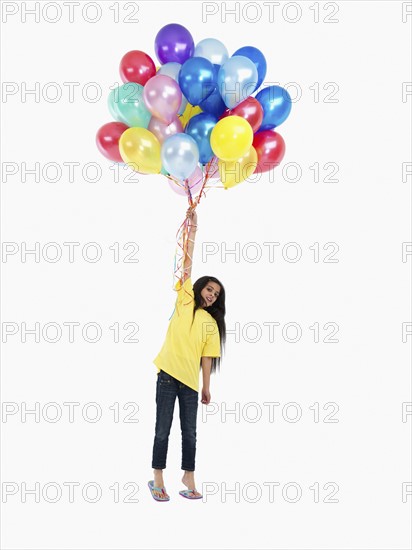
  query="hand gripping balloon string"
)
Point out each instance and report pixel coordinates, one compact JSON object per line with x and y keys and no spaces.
{"x":183,"y":242}
{"x":182,"y":235}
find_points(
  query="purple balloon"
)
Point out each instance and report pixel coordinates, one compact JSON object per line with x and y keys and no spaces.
{"x":174,"y":43}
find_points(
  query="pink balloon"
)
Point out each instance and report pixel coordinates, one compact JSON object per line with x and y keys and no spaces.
{"x":163,"y":130}
{"x":195,"y":183}
{"x":162,"y":97}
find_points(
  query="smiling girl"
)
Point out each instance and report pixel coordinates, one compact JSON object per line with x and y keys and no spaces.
{"x":194,"y":341}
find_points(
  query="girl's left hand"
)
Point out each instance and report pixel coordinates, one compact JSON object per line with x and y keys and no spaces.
{"x":205,"y":397}
{"x":191,"y":214}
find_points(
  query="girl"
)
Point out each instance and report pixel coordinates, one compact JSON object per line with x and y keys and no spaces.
{"x":195,"y":339}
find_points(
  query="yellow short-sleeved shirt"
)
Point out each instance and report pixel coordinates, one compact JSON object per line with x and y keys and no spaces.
{"x":185,"y":344}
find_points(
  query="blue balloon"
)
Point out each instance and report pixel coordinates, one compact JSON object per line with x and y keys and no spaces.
{"x":276,"y":103}
{"x":257,"y":57}
{"x":197,"y":79}
{"x":180,"y":155}
{"x":199,"y":128}
{"x":214,"y":104}
{"x":236,"y":80}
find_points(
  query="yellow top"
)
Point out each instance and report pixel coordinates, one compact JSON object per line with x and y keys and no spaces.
{"x":184,"y":345}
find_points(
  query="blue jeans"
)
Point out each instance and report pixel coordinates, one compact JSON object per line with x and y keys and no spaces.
{"x":167,"y":388}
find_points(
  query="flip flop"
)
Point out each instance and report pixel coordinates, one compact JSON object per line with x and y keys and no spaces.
{"x":187,"y":492}
{"x":160,"y":489}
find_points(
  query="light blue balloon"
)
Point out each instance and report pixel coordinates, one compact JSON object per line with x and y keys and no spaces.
{"x":172,"y":69}
{"x":126,"y":105}
{"x":276,"y":103}
{"x":213,"y":50}
{"x":180,"y":155}
{"x":237,"y":80}
{"x":257,"y":57}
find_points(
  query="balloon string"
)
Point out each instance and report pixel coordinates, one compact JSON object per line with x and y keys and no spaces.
{"x":182,"y":237}
{"x":208,"y":175}
{"x":189,"y":194}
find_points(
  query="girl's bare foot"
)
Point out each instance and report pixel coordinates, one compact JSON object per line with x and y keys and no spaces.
{"x":158,"y":482}
{"x":188,"y":479}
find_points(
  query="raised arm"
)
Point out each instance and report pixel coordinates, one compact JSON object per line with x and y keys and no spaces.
{"x":188,"y":259}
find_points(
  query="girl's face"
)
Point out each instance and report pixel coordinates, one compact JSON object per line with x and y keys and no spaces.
{"x":210,"y":294}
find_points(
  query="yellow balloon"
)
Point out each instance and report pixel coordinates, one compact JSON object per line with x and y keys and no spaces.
{"x":231,"y":138}
{"x":140,"y":149}
{"x":234,"y":172}
{"x":189,"y":112}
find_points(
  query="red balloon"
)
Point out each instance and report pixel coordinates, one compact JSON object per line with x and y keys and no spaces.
{"x":270,"y":149}
{"x":107,"y":140}
{"x":250,"y":109}
{"x":137,"y":66}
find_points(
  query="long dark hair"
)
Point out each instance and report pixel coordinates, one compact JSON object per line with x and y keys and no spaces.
{"x":217,"y":310}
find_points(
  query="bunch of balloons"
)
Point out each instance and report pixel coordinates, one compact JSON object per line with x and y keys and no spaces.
{"x":197,"y":116}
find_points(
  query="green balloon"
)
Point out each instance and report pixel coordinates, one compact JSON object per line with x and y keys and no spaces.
{"x":126,"y":105}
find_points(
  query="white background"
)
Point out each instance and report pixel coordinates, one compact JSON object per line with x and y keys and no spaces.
{"x":366,"y":454}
